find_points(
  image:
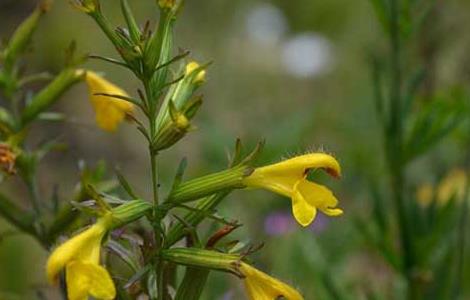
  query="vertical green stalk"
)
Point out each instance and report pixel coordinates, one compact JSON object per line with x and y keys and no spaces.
{"x":395,"y":148}
{"x":154,"y":173}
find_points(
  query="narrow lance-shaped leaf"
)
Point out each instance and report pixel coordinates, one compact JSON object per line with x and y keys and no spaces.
{"x":50,"y":94}
{"x":134,"y":30}
{"x":22,"y":36}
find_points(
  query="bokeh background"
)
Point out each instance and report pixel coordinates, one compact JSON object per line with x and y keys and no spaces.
{"x":296,"y":73}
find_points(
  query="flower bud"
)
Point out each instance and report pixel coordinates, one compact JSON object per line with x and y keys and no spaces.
{"x":86,"y":6}
{"x":177,"y":126}
{"x":182,"y":93}
{"x":200,"y":75}
{"x":166,"y":4}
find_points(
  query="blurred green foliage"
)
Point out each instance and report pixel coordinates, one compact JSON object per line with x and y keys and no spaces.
{"x":251,"y":94}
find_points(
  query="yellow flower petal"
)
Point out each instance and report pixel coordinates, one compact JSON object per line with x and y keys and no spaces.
{"x":110,"y":112}
{"x":261,"y":286}
{"x":321,"y":197}
{"x":83,"y":246}
{"x":303,"y":211}
{"x":425,"y":194}
{"x":85,"y":279}
{"x":80,"y":257}
{"x":299,"y":164}
{"x":452,"y":186}
{"x":191,"y":67}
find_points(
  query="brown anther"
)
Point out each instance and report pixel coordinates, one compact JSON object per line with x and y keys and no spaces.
{"x":333,"y":173}
{"x":7,"y":159}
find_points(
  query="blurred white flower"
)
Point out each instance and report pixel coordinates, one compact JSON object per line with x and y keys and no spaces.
{"x":307,"y":55}
{"x":265,"y":24}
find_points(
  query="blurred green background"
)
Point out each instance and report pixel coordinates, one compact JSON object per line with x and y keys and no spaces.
{"x":293,"y":72}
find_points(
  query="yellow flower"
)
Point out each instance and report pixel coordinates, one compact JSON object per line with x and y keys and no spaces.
{"x":191,"y":67}
{"x":80,"y":257}
{"x":425,"y":194}
{"x":289,"y":178}
{"x":261,"y":286}
{"x":166,"y":3}
{"x":452,"y":186}
{"x":110,"y":112}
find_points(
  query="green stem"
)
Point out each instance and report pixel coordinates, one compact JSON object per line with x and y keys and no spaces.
{"x":395,"y":149}
{"x":153,"y":162}
{"x":154,"y":172}
{"x":34,"y":194}
{"x":156,"y":222}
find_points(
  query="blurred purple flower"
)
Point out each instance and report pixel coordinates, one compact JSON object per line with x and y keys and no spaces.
{"x":282,"y":223}
{"x":227,"y":296}
{"x":279,"y":223}
{"x":320,"y":224}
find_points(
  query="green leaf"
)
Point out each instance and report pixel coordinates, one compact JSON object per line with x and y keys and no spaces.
{"x":138,"y":276}
{"x":125,"y":184}
{"x":180,"y":172}
{"x":193,"y":284}
{"x":49,"y":95}
{"x":411,"y":89}
{"x":22,"y":36}
{"x":134,"y":30}
{"x":203,"y":208}
{"x":152,"y":286}
{"x":433,"y":123}
{"x":124,"y":254}
{"x":120,"y":97}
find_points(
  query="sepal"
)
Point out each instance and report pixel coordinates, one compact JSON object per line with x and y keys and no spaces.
{"x":129,"y":212}
{"x":210,"y":184}
{"x":202,"y":258}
